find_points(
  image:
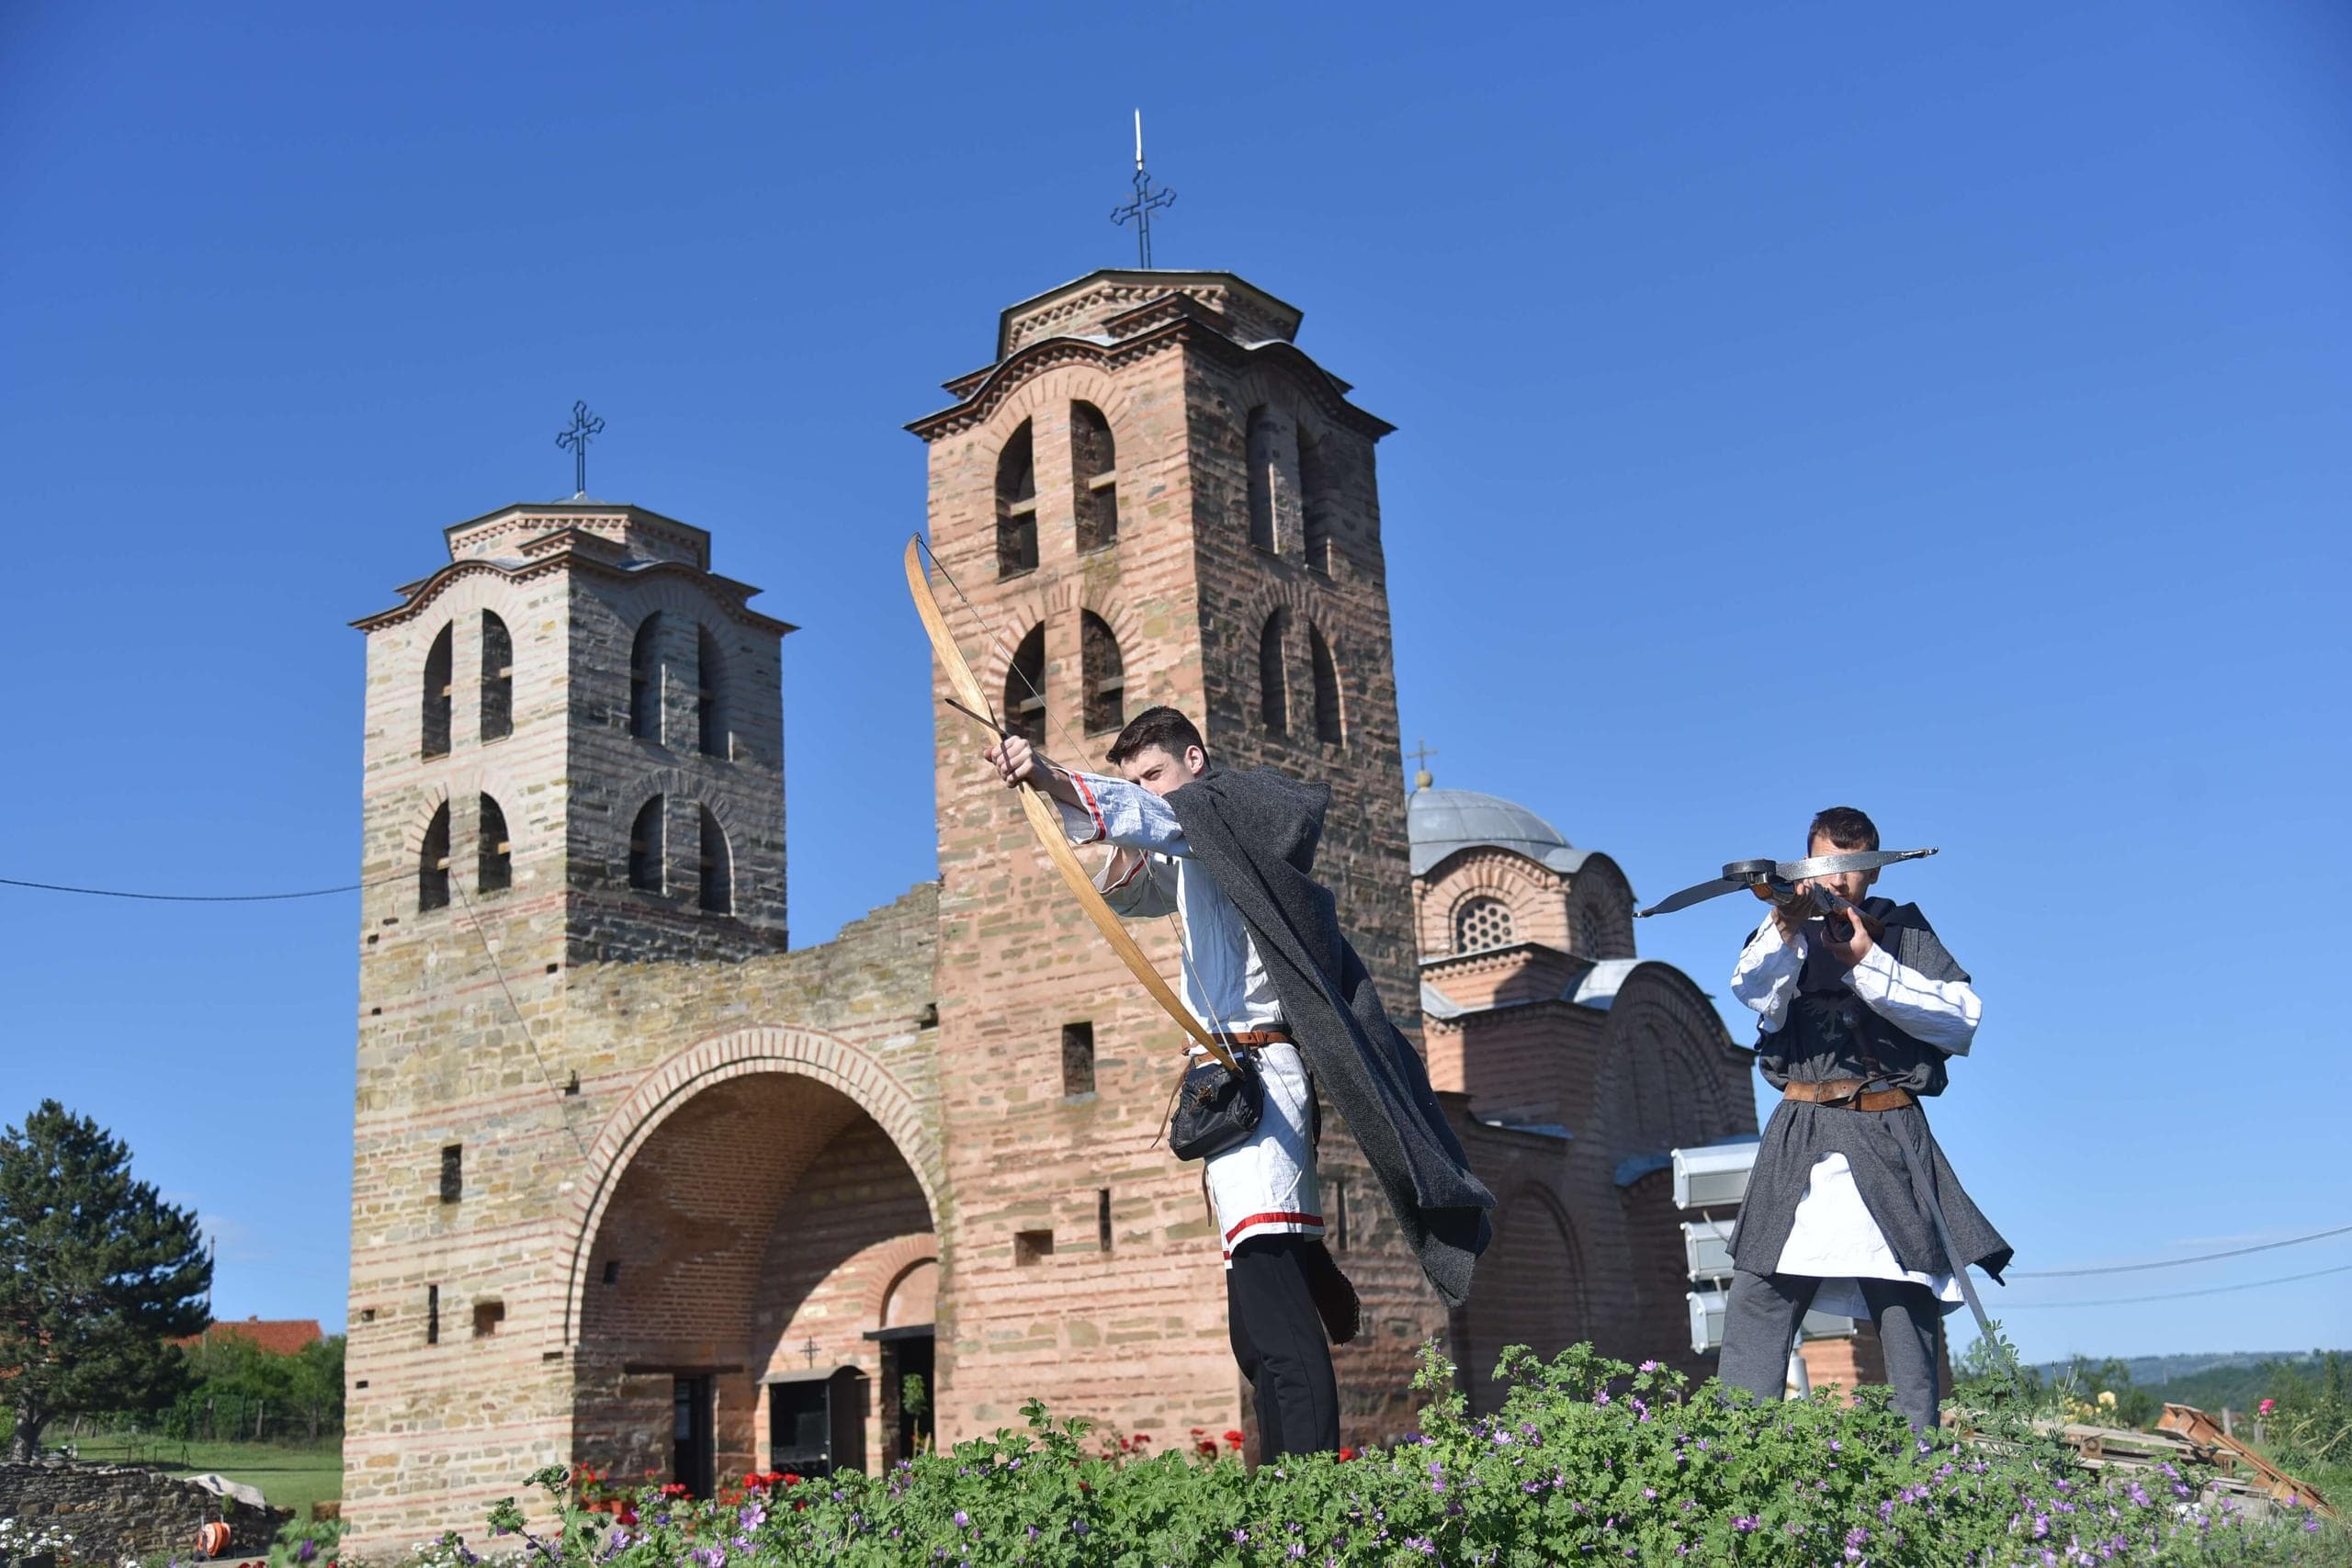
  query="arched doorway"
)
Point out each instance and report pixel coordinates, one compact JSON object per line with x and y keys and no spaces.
{"x":736,"y":1273}
{"x":1530,"y":1290}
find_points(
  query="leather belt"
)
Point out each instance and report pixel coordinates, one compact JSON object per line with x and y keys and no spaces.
{"x":1251,"y":1040}
{"x":1849,"y":1094}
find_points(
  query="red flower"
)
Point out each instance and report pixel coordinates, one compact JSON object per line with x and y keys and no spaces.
{"x":1234,"y":1438}
{"x":790,"y":1479}
{"x":1143,"y":1437}
{"x":1346,"y":1453}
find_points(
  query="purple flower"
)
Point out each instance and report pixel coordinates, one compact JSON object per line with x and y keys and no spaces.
{"x":752,"y":1516}
{"x":1745,"y":1523}
{"x":1651,"y":1366}
{"x":1078,"y":1527}
{"x":1650,"y":1493}
{"x":963,"y":1519}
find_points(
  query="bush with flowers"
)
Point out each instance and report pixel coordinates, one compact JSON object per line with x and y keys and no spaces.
{"x":1586,"y":1459}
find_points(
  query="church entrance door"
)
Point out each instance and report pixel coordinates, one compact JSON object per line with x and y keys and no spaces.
{"x":691,"y":1449}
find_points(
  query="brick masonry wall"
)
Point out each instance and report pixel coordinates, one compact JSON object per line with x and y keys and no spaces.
{"x":117,"y":1511}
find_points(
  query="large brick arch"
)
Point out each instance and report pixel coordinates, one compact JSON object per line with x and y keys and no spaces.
{"x":1658,"y":1012}
{"x":767,"y":1048}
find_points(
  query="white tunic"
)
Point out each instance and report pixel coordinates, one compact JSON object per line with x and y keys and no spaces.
{"x":1265,"y":1185}
{"x":1834,"y":1238}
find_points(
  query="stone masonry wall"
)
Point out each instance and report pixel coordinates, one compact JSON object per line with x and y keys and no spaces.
{"x":116,"y":1511}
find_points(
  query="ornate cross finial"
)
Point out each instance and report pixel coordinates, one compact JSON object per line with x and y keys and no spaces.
{"x":1145,"y":203}
{"x":585,"y":427}
{"x":810,"y":1349}
{"x":1421,"y":779}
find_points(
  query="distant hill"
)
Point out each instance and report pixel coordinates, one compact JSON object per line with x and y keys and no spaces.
{"x":2213,"y":1380}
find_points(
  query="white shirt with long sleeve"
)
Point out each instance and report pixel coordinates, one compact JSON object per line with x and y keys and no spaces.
{"x":1266,"y":1185}
{"x":1834,"y":1238}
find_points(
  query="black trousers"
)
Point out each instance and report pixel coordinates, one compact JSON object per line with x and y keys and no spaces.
{"x":1279,"y":1342}
{"x":1761,"y":1325}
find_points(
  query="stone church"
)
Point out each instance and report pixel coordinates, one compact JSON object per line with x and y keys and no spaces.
{"x":639,"y":1185}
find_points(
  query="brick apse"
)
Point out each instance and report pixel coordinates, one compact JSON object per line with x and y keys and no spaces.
{"x":639,"y":1184}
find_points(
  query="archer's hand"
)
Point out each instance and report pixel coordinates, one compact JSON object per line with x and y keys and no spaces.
{"x":1017,"y":763}
{"x":1859,"y":937}
{"x":1788,"y":914}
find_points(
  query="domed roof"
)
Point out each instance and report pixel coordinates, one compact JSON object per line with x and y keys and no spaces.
{"x":1440,"y":822}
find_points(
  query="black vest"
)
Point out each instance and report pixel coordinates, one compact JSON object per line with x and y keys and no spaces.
{"x":1830,"y":1032}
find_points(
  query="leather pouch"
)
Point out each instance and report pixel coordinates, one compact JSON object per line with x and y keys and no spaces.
{"x":1216,"y":1107}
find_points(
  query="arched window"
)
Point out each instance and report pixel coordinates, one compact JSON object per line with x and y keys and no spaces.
{"x":1273,"y":683}
{"x":1024,"y":688}
{"x":497,"y":679}
{"x":645,"y":680}
{"x":1094,"y":476}
{"x":1329,"y":725}
{"x":718,"y":868}
{"x":1480,"y":924}
{"x":493,"y":855}
{"x":432,"y":864}
{"x":1017,"y":505}
{"x":1104,"y":671}
{"x":1315,"y":499}
{"x":437,"y":685}
{"x":645,"y":848}
{"x":1260,"y":459}
{"x":710,"y":732}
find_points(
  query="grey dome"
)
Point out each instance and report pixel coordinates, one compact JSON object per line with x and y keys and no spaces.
{"x":1440,"y":822}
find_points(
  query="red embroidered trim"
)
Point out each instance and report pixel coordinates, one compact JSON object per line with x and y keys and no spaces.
{"x":1277,"y":1217}
{"x":1102,"y":829}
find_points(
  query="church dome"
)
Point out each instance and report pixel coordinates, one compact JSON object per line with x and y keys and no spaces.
{"x":1440,"y":822}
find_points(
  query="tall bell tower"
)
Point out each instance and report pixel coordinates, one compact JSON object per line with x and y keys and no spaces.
{"x":1150,"y":495}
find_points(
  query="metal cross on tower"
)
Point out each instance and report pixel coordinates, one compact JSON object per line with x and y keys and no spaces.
{"x":585,"y":427}
{"x":1145,"y":203}
{"x":809,"y":1349}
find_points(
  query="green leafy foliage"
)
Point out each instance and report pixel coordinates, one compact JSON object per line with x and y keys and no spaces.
{"x":1587,"y":1460}
{"x":97,"y":1274}
{"x":243,"y":1390}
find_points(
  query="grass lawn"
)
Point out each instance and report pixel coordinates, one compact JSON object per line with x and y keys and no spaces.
{"x":290,"y":1476}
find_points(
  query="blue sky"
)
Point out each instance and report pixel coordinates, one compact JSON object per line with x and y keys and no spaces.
{"x":1941,"y":411}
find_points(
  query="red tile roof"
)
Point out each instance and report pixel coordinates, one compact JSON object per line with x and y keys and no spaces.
{"x":278,"y":1335}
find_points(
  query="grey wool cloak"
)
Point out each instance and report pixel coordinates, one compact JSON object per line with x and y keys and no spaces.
{"x":1829,"y":1033}
{"x":1256,"y":833}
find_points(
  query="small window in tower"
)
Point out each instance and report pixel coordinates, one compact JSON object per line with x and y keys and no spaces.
{"x":453,"y":1172}
{"x":497,"y":679}
{"x":1329,"y":725}
{"x":1481,"y":924}
{"x":1077,"y":1059}
{"x":1274,"y":680}
{"x":645,"y":848}
{"x":1017,"y":505}
{"x":1094,"y":475}
{"x":439,"y":683}
{"x":1104,"y":674}
{"x":432,"y":864}
{"x":711,"y":733}
{"x":488,"y":1316}
{"x":494,"y":862}
{"x":1263,"y":445}
{"x":1030,"y":1248}
{"x":1024,"y":688}
{"x":1102,"y":1218}
{"x":718,"y":868}
{"x":645,"y":680}
{"x":1315,"y":499}
{"x":611,"y":1271}
{"x":433,"y":1314}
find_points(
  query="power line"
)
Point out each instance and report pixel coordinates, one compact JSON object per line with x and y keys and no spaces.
{"x":2174,"y":1262}
{"x":2182,"y":1295}
{"x":198,"y":897}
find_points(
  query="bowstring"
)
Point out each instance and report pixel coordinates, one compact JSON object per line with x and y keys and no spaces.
{"x":1077,"y":747}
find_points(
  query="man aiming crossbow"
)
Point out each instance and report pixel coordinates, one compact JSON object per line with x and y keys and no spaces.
{"x":1851,"y":1207}
{"x":1270,"y":975}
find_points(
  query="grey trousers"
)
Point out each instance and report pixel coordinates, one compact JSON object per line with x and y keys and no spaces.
{"x":1761,"y":1325}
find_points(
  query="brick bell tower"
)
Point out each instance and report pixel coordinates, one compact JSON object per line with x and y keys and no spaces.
{"x":1150,"y":495}
{"x":572,"y":761}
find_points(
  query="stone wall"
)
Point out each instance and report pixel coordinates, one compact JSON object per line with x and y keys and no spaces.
{"x":115,"y":1511}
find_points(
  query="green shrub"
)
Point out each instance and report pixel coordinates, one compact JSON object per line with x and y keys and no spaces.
{"x":1587,"y":1459}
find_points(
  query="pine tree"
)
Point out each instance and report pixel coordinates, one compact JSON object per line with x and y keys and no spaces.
{"x":97,"y":1275}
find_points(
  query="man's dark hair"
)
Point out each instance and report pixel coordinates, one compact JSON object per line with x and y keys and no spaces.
{"x":1844,"y":827}
{"x":1161,"y":726}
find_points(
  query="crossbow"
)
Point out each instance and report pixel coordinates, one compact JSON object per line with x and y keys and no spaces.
{"x":1785,"y":882}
